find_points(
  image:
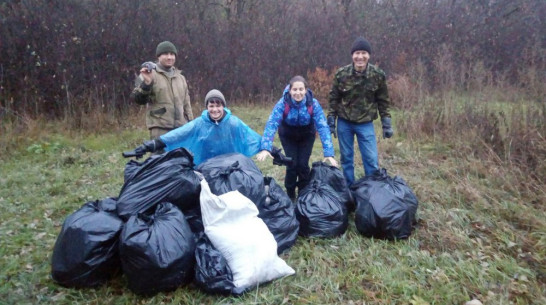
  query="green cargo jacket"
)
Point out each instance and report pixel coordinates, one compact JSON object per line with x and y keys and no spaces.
{"x":357,"y":97}
{"x":167,"y":99}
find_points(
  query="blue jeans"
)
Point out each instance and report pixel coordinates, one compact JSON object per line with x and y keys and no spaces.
{"x":365,"y":136}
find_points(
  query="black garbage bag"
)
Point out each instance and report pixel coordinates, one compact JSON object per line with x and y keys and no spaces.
{"x":212,"y":272}
{"x":231,"y":172}
{"x":385,"y":207}
{"x":86,"y":252}
{"x":157,"y":250}
{"x":278,"y":212}
{"x":320,"y":211}
{"x":168,"y":177}
{"x":195,"y":220}
{"x":333,"y":176}
{"x":132,"y":167}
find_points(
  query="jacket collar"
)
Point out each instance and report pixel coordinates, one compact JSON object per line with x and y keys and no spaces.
{"x":288,"y":99}
{"x":366,"y":72}
{"x":171,"y":71}
{"x":205,"y":116}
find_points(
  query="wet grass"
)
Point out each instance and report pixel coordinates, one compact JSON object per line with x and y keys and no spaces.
{"x":481,"y":233}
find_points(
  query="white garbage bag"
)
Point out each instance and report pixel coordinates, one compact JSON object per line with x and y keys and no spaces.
{"x":231,"y":223}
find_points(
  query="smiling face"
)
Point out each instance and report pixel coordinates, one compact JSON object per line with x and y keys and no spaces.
{"x":360,"y":60}
{"x":215,"y":109}
{"x":167,"y":60}
{"x":297,"y":91}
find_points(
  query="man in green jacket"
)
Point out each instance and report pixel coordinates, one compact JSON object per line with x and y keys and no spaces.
{"x":164,"y":89}
{"x":358,"y":93}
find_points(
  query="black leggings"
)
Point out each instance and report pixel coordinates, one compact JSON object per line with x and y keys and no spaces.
{"x":297,"y":143}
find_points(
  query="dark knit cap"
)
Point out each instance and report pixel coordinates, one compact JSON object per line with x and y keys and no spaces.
{"x":215,"y":95}
{"x":165,"y":47}
{"x":361,"y":44}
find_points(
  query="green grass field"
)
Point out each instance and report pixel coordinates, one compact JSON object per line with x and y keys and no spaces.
{"x":479,"y":235}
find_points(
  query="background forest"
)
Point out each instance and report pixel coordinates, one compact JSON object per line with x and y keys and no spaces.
{"x":65,"y":58}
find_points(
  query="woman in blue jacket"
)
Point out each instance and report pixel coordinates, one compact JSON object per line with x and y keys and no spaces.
{"x":297,"y":116}
{"x":215,"y":132}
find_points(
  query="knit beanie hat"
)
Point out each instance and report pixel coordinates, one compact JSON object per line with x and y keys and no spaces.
{"x":165,"y":47}
{"x":361,"y":44}
{"x":215,"y":95}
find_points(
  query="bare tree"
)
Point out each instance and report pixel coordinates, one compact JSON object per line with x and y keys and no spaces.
{"x":68,"y":56}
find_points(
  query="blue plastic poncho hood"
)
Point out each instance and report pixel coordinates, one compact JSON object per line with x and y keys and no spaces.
{"x":206,"y":138}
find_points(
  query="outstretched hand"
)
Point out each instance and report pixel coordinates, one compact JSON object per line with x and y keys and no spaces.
{"x":262,"y":155}
{"x":331,"y":160}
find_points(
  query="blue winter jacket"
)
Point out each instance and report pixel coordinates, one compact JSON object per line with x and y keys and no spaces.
{"x":298,"y":115}
{"x":206,"y":138}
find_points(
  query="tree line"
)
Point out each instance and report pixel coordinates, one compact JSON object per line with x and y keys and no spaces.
{"x":60,"y":56}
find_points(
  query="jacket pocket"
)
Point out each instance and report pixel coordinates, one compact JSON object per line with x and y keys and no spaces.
{"x":371,"y":86}
{"x":345,"y":89}
{"x":158,"y":112}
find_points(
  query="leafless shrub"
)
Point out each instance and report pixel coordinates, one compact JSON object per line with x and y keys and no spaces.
{"x":404,"y":93}
{"x":489,"y":117}
{"x":55,"y":52}
{"x":320,"y":82}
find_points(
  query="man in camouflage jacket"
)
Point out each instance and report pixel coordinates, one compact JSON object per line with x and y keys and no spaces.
{"x":164,"y":89}
{"x":358,"y":93}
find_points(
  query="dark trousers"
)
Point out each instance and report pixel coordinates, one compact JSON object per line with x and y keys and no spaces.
{"x":297,"y":143}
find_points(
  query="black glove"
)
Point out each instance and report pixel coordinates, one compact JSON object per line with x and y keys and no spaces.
{"x":387,"y":127}
{"x":279,"y":158}
{"x":147,"y":146}
{"x":332,"y":124}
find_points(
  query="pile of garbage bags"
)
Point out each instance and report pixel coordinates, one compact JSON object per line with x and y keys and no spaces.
{"x":384,"y":207}
{"x":173,"y":224}
{"x":221,"y":225}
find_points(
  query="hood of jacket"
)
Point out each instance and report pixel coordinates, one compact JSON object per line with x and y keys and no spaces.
{"x":206,"y":117}
{"x":307,"y":100}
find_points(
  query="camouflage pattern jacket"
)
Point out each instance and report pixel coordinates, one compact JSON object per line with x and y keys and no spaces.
{"x":357,"y":97}
{"x":167,"y":98}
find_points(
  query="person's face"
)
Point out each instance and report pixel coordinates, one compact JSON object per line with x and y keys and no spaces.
{"x":167,"y":60}
{"x":360,"y":59}
{"x":297,"y":91}
{"x":216,"y":110}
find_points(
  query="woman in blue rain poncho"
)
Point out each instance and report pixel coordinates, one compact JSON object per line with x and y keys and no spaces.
{"x":215,"y":132}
